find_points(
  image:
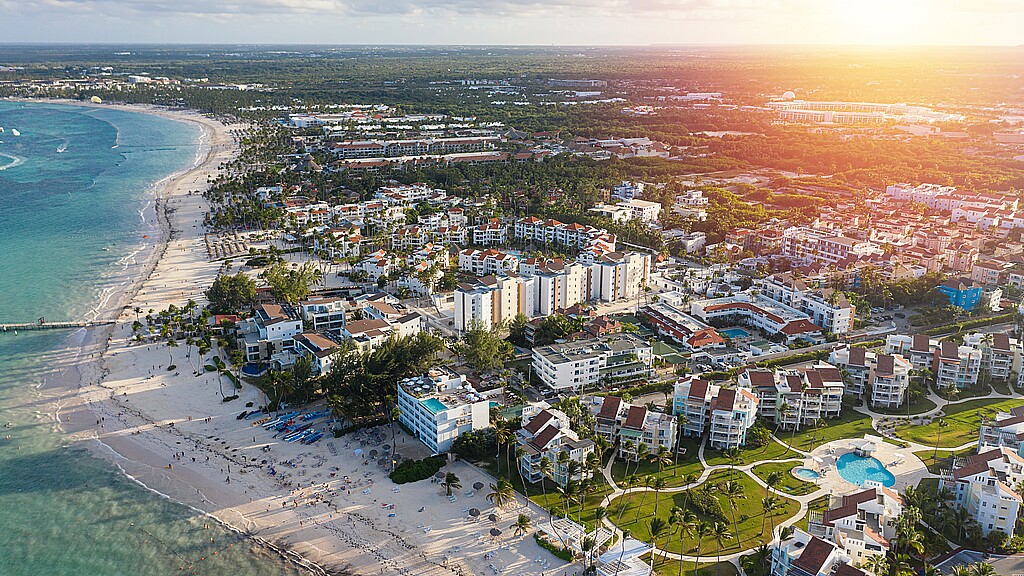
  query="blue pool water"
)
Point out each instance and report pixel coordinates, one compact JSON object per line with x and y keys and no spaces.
{"x":434,"y":405}
{"x":856,"y":469}
{"x":735,"y":333}
{"x":806,"y":474}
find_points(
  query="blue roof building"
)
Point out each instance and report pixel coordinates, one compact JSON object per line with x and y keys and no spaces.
{"x":963,"y":292}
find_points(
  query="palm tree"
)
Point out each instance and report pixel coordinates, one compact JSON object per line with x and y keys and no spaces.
{"x":642,"y":451}
{"x":941,"y":422}
{"x":689,"y":480}
{"x":773,"y":480}
{"x":877,"y":564}
{"x":759,"y":562}
{"x":663,"y":457}
{"x":658,"y":528}
{"x":685,"y":521}
{"x":171,"y":345}
{"x":768,"y":507}
{"x":658,"y":484}
{"x":502,"y":493}
{"x":451,"y":482}
{"x":960,"y":570}
{"x":622,"y":550}
{"x":522,"y":524}
{"x":982,"y":569}
{"x":520,"y":452}
{"x":648,"y":480}
{"x":703,"y":529}
{"x":733,"y":491}
{"x":545,"y":468}
{"x":721,"y":533}
{"x":628,"y":484}
{"x":503,"y":436}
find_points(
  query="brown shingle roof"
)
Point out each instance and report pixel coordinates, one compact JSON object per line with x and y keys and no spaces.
{"x":610,"y":408}
{"x":635,"y":418}
{"x":814,"y":555}
{"x":537,"y":421}
{"x":921,"y":343}
{"x":886,"y":366}
{"x":857,"y":356}
{"x":698,"y":389}
{"x":540,"y":441}
{"x":761,"y":378}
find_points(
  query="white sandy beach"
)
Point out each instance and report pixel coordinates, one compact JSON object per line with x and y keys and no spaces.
{"x":134,"y":412}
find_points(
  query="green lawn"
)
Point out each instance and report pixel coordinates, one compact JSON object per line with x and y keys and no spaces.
{"x":941,"y":460}
{"x":1001,"y":387}
{"x":920,"y":407}
{"x":850,"y":424}
{"x":670,"y":567}
{"x":754,"y":527}
{"x":962,"y":423}
{"x":674,"y":475}
{"x":772,"y":451}
{"x":790,"y":484}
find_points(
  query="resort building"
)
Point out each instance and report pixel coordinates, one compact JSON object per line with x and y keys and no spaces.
{"x":322,"y":313}
{"x":490,"y":261}
{"x":580,"y":236}
{"x":1000,"y":354}
{"x":759,"y":312}
{"x":626,"y":426}
{"x":268,"y":332}
{"x":919,"y":349}
{"x":440,"y":406}
{"x":805,"y":555}
{"x":724,"y":414}
{"x":318,"y":348}
{"x":545,"y":434}
{"x":491,"y":233}
{"x":951,"y":365}
{"x":1007,"y":429}
{"x":861,"y":525}
{"x":983,"y":485}
{"x":642,"y":210}
{"x":796,"y":398}
{"x":886,"y":376}
{"x":825,"y":307}
{"x":586,"y":364}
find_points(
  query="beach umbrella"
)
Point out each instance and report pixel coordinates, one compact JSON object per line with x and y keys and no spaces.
{"x":474,"y":512}
{"x":495,"y":532}
{"x":440,"y":475}
{"x":386,"y":446}
{"x":373,"y":453}
{"x":478,"y":485}
{"x":493,"y":517}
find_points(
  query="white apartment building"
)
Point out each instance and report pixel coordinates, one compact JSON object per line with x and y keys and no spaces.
{"x":956,"y":366}
{"x":490,"y":261}
{"x":861,"y":524}
{"x":1007,"y":429}
{"x":545,"y":434}
{"x":823,"y":246}
{"x":626,"y":426}
{"x":555,"y":232}
{"x":805,"y":555}
{"x":322,"y":313}
{"x":628,"y":190}
{"x":268,"y":332}
{"x":983,"y":485}
{"x":826,"y":307}
{"x":613,"y":213}
{"x":811,"y":394}
{"x":377,"y":264}
{"x":725,"y":414}
{"x":410,"y":238}
{"x":887,"y":376}
{"x":642,"y":210}
{"x":1000,"y":354}
{"x":919,"y":349}
{"x":318,"y":348}
{"x":440,"y":406}
{"x":490,"y":233}
{"x":759,"y":312}
{"x":584,"y":364}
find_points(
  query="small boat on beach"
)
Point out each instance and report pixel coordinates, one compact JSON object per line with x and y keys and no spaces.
{"x":15,"y":132}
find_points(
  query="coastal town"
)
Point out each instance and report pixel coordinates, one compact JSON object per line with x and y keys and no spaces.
{"x":397,"y":342}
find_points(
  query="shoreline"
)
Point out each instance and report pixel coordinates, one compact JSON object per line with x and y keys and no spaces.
{"x":316,"y":505}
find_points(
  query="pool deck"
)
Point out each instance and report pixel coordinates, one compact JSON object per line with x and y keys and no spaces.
{"x":908,"y":472}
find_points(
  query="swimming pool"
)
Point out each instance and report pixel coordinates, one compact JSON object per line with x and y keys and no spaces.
{"x":857,"y":469}
{"x":735,"y":333}
{"x":805,"y":474}
{"x":434,"y":405}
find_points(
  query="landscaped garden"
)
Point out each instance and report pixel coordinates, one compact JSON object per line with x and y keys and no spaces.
{"x":638,"y":509}
{"x":749,"y":455}
{"x":850,"y":424}
{"x":787,"y":482}
{"x":961,"y":422}
{"x":675,"y":474}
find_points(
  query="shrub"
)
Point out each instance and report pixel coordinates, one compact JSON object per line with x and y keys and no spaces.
{"x":758,"y":436}
{"x":560,"y":553}
{"x":416,"y":470}
{"x":229,"y":398}
{"x":705,"y":502}
{"x":475,"y":446}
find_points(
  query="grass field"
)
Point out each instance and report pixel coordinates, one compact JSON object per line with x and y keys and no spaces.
{"x":941,"y":459}
{"x":962,"y":423}
{"x":670,"y":567}
{"x":773,"y":451}
{"x":789,"y":484}
{"x":753,"y":525}
{"x":920,"y":407}
{"x":849,"y":425}
{"x":674,"y":475}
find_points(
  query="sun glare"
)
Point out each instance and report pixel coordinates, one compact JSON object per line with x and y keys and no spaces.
{"x":885,"y":21}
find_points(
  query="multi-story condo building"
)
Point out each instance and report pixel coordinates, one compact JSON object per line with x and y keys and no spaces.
{"x":545,"y":434}
{"x":490,"y":261}
{"x":983,"y":485}
{"x":724,"y":414}
{"x":861,"y":524}
{"x":809,"y":394}
{"x":759,"y":312}
{"x":269,"y":331}
{"x":393,"y":148}
{"x":490,"y":233}
{"x":1007,"y":429}
{"x":555,"y":232}
{"x":626,"y":426}
{"x":642,"y":210}
{"x":1000,"y":354}
{"x":378,"y":264}
{"x":440,"y":406}
{"x":887,"y":376}
{"x":826,"y":307}
{"x":919,"y":349}
{"x":319,"y":349}
{"x":956,"y":366}
{"x":584,"y":364}
{"x":805,"y":555}
{"x":823,"y":246}
{"x":323,"y":313}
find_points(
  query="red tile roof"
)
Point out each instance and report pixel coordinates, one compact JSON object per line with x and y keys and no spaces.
{"x":814,"y":555}
{"x":540,"y":441}
{"x":635,"y":418}
{"x":538,"y":421}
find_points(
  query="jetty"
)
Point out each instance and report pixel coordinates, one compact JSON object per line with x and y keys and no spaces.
{"x":50,"y":325}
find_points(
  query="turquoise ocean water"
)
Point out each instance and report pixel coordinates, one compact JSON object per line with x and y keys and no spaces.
{"x":74,"y":210}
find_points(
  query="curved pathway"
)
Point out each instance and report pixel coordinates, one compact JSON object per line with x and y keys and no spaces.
{"x":747,"y":469}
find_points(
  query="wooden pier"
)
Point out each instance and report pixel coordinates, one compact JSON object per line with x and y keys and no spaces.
{"x":50,"y":326}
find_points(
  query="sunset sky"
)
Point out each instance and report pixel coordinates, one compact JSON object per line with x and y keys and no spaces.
{"x":601,"y":22}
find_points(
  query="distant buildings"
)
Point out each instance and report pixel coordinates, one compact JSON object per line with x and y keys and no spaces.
{"x":724,"y":414}
{"x":826,"y":307}
{"x":440,"y":406}
{"x":584,"y":364}
{"x":759,"y":312}
{"x":963,"y":293}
